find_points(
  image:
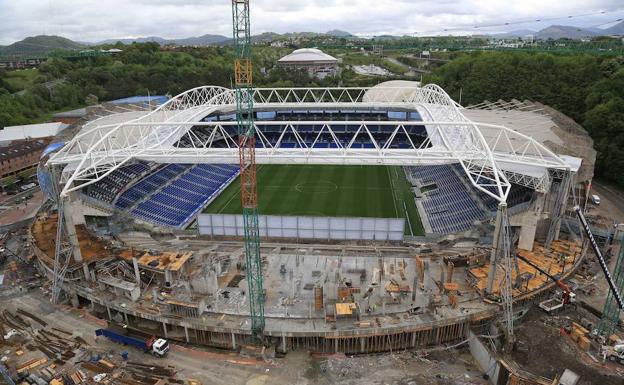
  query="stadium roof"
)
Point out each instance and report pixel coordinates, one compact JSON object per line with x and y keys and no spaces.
{"x":31,"y":131}
{"x":153,"y":99}
{"x":492,"y":155}
{"x":311,"y":55}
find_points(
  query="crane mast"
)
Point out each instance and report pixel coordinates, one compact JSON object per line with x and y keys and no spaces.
{"x":243,"y":81}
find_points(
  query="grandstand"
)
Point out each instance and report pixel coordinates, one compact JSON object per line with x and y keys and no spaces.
{"x":174,"y":193}
{"x":312,"y":131}
{"x":107,"y":189}
{"x":167,"y":195}
{"x":448,"y":205}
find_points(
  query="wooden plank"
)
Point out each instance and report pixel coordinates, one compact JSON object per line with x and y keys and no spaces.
{"x":31,"y":364}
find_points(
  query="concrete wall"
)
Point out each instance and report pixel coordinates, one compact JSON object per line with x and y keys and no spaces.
{"x":484,"y":359}
{"x":326,"y":228}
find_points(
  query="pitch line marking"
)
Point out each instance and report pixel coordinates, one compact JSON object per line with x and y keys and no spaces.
{"x":331,"y":187}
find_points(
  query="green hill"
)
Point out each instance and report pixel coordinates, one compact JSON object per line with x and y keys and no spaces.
{"x":38,"y":45}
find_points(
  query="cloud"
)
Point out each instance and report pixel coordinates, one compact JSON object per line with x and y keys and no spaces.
{"x":94,"y":20}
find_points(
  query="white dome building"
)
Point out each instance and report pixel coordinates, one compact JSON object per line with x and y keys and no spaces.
{"x":316,"y":62}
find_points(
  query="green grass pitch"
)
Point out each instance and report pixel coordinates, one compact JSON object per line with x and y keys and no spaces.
{"x":339,"y":191}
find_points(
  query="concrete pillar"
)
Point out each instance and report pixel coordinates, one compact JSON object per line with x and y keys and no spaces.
{"x":74,"y":299}
{"x":451,"y":268}
{"x":168,"y":277}
{"x":362,"y":344}
{"x":414,"y":287}
{"x":214,"y":287}
{"x":502,"y":209}
{"x":165,"y":329}
{"x":137,"y":274}
{"x":154,"y":295}
{"x":528,"y":222}
{"x":70,"y":228}
{"x":283,"y":343}
{"x":336,"y":345}
{"x":233,"y":341}
{"x":186,"y":334}
{"x":126,"y":318}
{"x":86,"y":272}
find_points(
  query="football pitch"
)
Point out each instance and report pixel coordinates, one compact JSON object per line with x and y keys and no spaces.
{"x":338,"y":191}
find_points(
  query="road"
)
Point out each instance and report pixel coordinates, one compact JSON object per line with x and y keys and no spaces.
{"x":614,"y":200}
{"x":407,"y":67}
{"x":10,"y":199}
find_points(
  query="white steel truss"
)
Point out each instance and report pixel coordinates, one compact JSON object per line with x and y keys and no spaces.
{"x":491,"y":155}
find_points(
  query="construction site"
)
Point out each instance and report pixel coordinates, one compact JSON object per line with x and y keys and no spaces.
{"x":492,"y":262}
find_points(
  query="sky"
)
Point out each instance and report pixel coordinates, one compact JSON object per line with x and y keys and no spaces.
{"x":96,"y":20}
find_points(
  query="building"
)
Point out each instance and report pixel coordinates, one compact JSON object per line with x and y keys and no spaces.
{"x":70,"y":117}
{"x":20,"y":158}
{"x":143,"y":102}
{"x":317,"y":63}
{"x":31,"y":131}
{"x":21,"y":148}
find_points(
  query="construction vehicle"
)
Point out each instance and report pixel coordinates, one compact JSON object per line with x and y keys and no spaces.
{"x":560,"y":299}
{"x":156,"y":346}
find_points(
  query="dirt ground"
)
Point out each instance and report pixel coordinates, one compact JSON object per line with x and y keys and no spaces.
{"x":549,"y":352}
{"x":16,"y":212}
{"x":300,"y":367}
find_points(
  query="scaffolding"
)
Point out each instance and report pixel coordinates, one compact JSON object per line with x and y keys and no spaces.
{"x":501,"y":257}
{"x":560,"y":207}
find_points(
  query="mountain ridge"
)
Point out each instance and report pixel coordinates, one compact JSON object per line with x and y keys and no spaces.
{"x":39,"y":45}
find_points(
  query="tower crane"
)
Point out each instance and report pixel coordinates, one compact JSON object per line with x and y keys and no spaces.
{"x":243,"y":81}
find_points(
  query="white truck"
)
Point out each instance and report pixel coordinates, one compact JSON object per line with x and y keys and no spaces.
{"x":595,"y":199}
{"x":614,"y":353}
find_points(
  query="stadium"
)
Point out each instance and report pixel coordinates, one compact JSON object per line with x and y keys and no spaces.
{"x":379,"y":213}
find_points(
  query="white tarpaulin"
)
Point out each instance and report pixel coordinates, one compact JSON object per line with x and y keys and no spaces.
{"x":327,"y":228}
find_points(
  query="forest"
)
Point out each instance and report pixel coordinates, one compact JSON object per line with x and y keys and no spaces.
{"x":588,"y":88}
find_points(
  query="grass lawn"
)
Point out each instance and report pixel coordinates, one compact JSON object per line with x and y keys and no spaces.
{"x":20,"y":79}
{"x":340,"y":191}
